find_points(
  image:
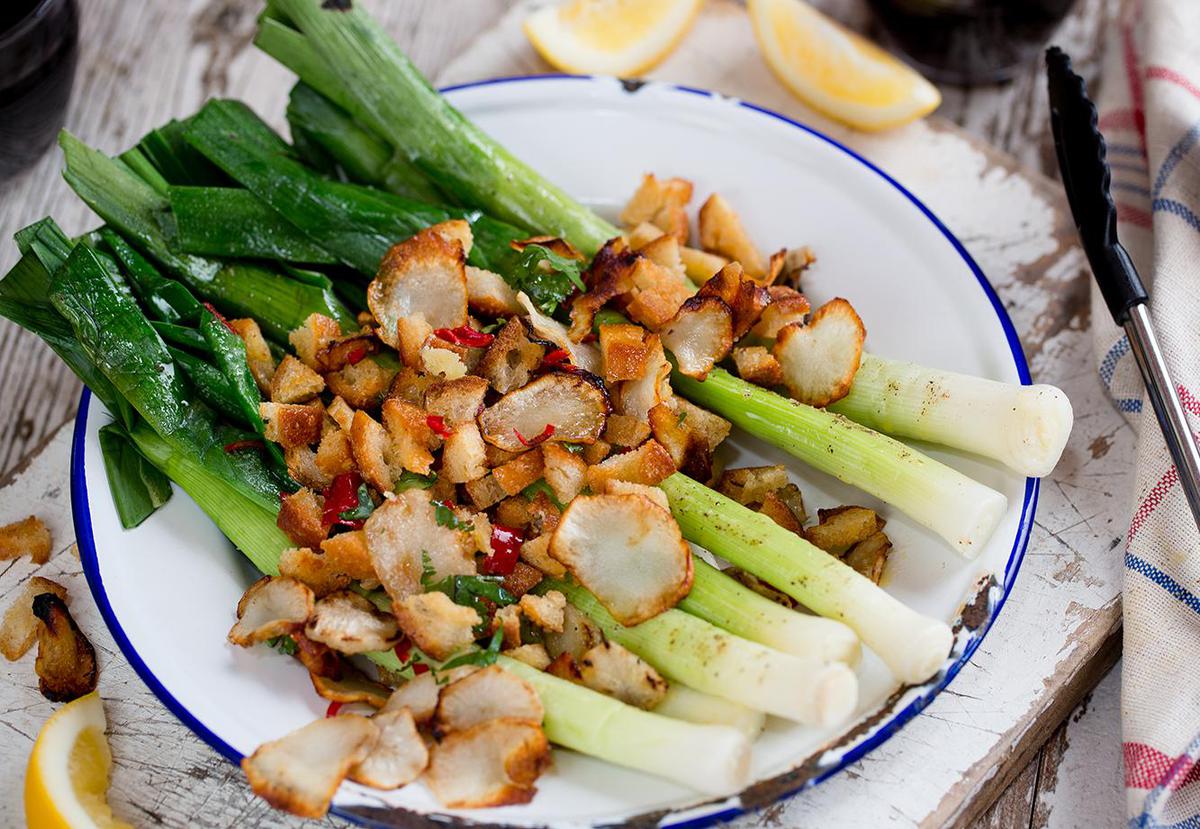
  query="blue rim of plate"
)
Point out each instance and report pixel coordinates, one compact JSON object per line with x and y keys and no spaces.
{"x":88,"y":556}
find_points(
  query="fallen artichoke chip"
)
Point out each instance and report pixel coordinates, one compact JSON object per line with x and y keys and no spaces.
{"x":819,"y":360}
{"x":419,"y":696}
{"x":351,"y":687}
{"x":19,"y":628}
{"x":628,"y":551}
{"x":700,"y":335}
{"x":438,"y":626}
{"x":485,"y":695}
{"x":494,"y":763}
{"x":422,"y":275}
{"x":66,"y":663}
{"x":398,"y":756}
{"x":271,"y":607}
{"x":300,"y":772}
{"x":556,"y":407}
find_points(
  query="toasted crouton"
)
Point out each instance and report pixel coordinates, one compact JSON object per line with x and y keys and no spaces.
{"x":511,"y":358}
{"x":292,"y":424}
{"x":300,"y":518}
{"x":687,"y":447}
{"x":721,"y":232}
{"x":489,"y":294}
{"x":660,"y":202}
{"x":410,"y":436}
{"x":649,"y":464}
{"x":456,"y":401}
{"x":700,"y":265}
{"x":313,"y":569}
{"x":303,"y":467}
{"x":463,"y":456}
{"x":749,"y":485}
{"x":870,"y":555}
{"x":520,"y":472}
{"x":624,"y":350}
{"x":533,"y":655}
{"x":545,"y":611}
{"x":412,"y":334}
{"x":362,"y":384}
{"x":347,"y":553}
{"x":841,"y":528}
{"x":638,"y":396}
{"x":484,"y":492}
{"x":536,"y":552}
{"x":625,"y":431}
{"x":594,"y":453}
{"x":442,"y":362}
{"x":522,"y":579}
{"x":778,"y":511}
{"x":425,"y":274}
{"x":656,"y":295}
{"x":745,"y":297}
{"x":334,"y":455}
{"x":340,"y":412}
{"x":29,"y":535}
{"x":438,"y":626}
{"x":712,"y":427}
{"x":664,"y":252}
{"x":565,"y":472}
{"x":316,"y":332}
{"x":758,"y":366}
{"x":294,"y":382}
{"x":258,"y":353}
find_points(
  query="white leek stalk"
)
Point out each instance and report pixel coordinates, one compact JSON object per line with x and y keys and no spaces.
{"x":686,"y":649}
{"x":717,"y":598}
{"x":913,"y":646}
{"x":960,"y":510}
{"x":684,"y":703}
{"x":712,"y":759}
{"x":1023,"y":427}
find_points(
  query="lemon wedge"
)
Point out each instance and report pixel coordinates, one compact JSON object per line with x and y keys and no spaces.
{"x":610,"y":37}
{"x":837,"y":71}
{"x":67,"y":778}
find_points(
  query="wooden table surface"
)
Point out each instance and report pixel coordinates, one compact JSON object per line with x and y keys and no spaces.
{"x":1078,"y":766}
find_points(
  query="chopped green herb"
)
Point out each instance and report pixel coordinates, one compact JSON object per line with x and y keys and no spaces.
{"x":480,"y":593}
{"x":363,"y":509}
{"x":411,"y":480}
{"x":493,"y":327}
{"x":481,"y":658}
{"x":682,"y":417}
{"x":286,"y":645}
{"x":427,"y":571}
{"x":530,"y":492}
{"x":573,"y":448}
{"x":446,"y":518}
{"x":546,"y":277}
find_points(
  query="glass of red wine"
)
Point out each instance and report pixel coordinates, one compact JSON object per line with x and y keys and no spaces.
{"x":970,"y":41}
{"x":39,"y":43}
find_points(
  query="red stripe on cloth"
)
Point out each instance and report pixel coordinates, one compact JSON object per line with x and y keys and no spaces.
{"x":1134,"y":215}
{"x":1133,"y":77}
{"x":1118,"y":119}
{"x":1163,"y":73}
{"x":1146,"y":768}
{"x":1153,"y":498}
{"x":1188,"y":400}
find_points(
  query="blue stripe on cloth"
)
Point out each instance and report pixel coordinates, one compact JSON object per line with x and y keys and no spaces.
{"x":1181,"y":766}
{"x":1177,"y":590}
{"x":1177,"y":153}
{"x":1128,"y":404}
{"x":1177,"y":209}
{"x":1128,"y":168}
{"x":1124,"y":149}
{"x":1109,"y":364}
{"x":1136,"y":189}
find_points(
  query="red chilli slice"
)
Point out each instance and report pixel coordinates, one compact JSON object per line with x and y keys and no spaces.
{"x":437,"y":425}
{"x":506,"y":549}
{"x":534,"y":441}
{"x":403,"y":650}
{"x":239,"y":445}
{"x":219,"y":316}
{"x":420,"y":668}
{"x":357,"y":355}
{"x":341,"y":496}
{"x":333,"y":709}
{"x":465,"y":335}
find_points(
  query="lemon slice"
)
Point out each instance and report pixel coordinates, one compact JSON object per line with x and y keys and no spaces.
{"x":837,"y":71}
{"x":609,"y":37}
{"x":67,"y":777}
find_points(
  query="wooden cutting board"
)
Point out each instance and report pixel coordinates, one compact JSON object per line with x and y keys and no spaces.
{"x":142,"y":63}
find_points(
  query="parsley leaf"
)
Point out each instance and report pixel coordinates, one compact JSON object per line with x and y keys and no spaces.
{"x":286,"y":645}
{"x":446,"y":518}
{"x":530,"y":492}
{"x":482,"y":658}
{"x":411,"y":480}
{"x":363,"y":509}
{"x":547,"y":277}
{"x":427,"y":571}
{"x":480,"y":593}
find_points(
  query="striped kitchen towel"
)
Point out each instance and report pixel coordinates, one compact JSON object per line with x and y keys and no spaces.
{"x":1150,"y":116}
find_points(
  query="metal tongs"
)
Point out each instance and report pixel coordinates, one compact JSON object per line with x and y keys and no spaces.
{"x":1086,"y":176}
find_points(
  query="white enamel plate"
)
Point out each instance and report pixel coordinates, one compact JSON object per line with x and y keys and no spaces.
{"x":169,"y":588}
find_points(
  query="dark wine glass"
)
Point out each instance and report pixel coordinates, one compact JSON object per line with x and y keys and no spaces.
{"x":39,"y":44}
{"x":969,"y":41}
